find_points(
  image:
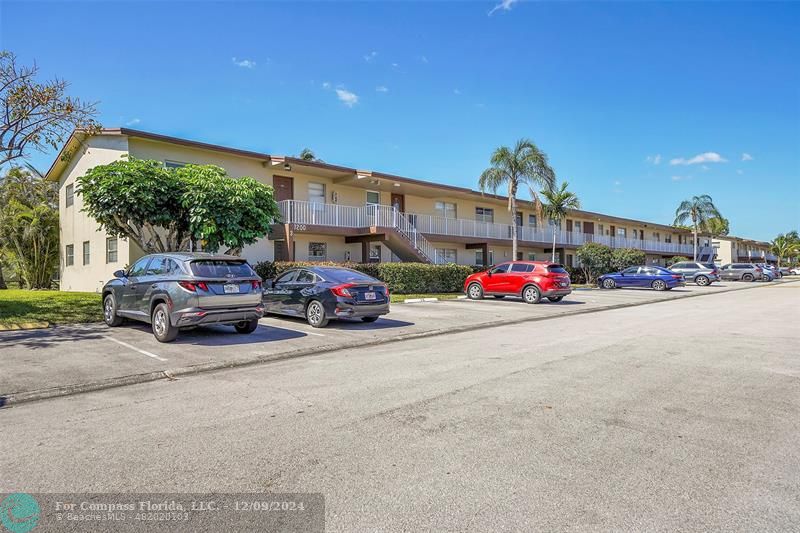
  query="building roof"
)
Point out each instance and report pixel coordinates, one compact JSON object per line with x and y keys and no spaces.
{"x":77,"y":137}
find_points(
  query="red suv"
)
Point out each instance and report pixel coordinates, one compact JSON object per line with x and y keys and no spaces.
{"x":531,"y":280}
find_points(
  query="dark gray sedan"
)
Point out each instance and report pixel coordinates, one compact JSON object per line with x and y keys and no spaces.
{"x":320,"y":294}
{"x":178,"y":290}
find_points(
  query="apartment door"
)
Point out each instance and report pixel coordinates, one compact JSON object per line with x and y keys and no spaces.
{"x":284,"y":188}
{"x":399,"y":202}
{"x":588,"y":227}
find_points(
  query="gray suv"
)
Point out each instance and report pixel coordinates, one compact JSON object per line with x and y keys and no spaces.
{"x":740,"y":272}
{"x":175,"y":290}
{"x":700,"y":273}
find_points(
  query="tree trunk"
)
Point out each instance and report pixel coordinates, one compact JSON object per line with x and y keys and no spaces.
{"x":554,"y":245}
{"x":2,"y":279}
{"x":695,"y":241}
{"x":513,"y":229}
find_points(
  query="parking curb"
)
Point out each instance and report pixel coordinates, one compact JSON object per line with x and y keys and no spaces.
{"x":24,"y":326}
{"x":172,"y":374}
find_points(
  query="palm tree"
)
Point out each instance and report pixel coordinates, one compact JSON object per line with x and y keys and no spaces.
{"x":698,"y":211}
{"x":523,"y":166}
{"x":559,"y":202}
{"x":307,"y":154}
{"x":784,"y":246}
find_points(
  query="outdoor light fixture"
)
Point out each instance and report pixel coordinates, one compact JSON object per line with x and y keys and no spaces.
{"x":396,"y":184}
{"x":287,"y":167}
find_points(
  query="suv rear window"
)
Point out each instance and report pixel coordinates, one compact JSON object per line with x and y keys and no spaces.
{"x":557,"y":269}
{"x":208,"y":268}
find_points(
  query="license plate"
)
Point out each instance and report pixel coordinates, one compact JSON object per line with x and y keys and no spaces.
{"x":563,"y":283}
{"x":369,"y":295}
{"x":230,"y":288}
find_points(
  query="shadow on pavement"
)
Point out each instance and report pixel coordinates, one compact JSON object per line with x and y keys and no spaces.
{"x":45,"y":338}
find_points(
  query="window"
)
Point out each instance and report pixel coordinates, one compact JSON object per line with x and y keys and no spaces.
{"x":630,"y":271}
{"x":531,"y":256}
{"x":174,"y":164}
{"x":69,"y":191}
{"x":656,"y":236}
{"x":86,"y":252}
{"x":375,"y":253}
{"x":532,"y":221}
{"x":317,"y":251}
{"x":69,"y":255}
{"x":287,"y":277}
{"x":601,"y":229}
{"x":635,"y":234}
{"x":569,"y":260}
{"x":680,"y":265}
{"x":668,"y":238}
{"x":556,"y":223}
{"x":157,"y":266}
{"x":304,"y":276}
{"x":138,"y":267}
{"x":577,"y":226}
{"x":111,"y":250}
{"x":373,"y":198}
{"x":500,"y":269}
{"x":221,"y":268}
{"x":479,"y":257}
{"x":484,"y":214}
{"x":445,"y":209}
{"x":316,"y":193}
{"x":521,"y":267}
{"x":445,"y":255}
{"x":621,"y":232}
{"x":491,"y":257}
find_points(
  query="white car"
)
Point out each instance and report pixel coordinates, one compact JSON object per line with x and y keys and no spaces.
{"x":796,"y":271}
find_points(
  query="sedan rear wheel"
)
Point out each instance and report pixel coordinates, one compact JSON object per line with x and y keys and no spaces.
{"x":609,"y":283}
{"x":475,"y":291}
{"x":531,"y":294}
{"x":315,"y":314}
{"x":659,"y":285}
{"x":702,"y":280}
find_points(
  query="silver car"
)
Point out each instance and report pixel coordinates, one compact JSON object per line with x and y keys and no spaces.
{"x":741,"y":272}
{"x":699,"y":273}
{"x":180,"y":290}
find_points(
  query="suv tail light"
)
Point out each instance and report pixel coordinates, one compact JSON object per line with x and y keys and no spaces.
{"x":342,"y":290}
{"x":255,"y":284}
{"x":758,"y":269}
{"x":193,"y":286}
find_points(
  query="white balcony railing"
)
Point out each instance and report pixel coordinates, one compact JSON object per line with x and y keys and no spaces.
{"x":413,"y":226}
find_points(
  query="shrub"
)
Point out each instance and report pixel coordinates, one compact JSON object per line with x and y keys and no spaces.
{"x":596,"y":259}
{"x":576,"y":275}
{"x":676,"y":259}
{"x":622,"y":258}
{"x":402,"y":278}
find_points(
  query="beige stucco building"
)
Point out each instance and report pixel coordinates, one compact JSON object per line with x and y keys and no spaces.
{"x":337,"y":213}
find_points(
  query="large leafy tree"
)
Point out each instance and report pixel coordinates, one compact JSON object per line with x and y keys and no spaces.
{"x":596,"y":259}
{"x":558,"y":202}
{"x":698,"y":211}
{"x":717,"y":226}
{"x":29,"y":226}
{"x":36,"y":114}
{"x":523,"y":166}
{"x":785,"y":246}
{"x":163,"y":209}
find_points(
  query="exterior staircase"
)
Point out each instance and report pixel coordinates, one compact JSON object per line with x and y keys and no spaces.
{"x":401,"y":236}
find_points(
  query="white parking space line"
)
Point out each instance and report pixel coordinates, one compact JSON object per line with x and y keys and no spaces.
{"x":134,"y":348}
{"x":282,"y":326}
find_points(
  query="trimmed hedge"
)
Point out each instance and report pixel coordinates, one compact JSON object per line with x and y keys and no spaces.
{"x":676,"y":259}
{"x":402,"y":278}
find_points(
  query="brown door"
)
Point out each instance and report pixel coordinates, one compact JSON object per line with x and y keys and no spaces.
{"x":588,"y":227}
{"x":399,"y":202}
{"x":284,"y":188}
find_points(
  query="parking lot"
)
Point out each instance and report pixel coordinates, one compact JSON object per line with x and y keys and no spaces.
{"x":61,"y":360}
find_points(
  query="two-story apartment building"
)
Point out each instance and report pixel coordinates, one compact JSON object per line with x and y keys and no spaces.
{"x":336,"y":213}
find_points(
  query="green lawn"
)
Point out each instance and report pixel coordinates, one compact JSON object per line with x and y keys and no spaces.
{"x":21,"y":306}
{"x":442,"y":296}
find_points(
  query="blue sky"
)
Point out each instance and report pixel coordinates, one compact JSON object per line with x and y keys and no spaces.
{"x":639,"y":105}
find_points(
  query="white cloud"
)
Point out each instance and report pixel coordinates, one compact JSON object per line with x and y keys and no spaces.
{"x":456,"y":91}
{"x":505,"y":5}
{"x":244,"y":63}
{"x":346,"y":97}
{"x":705,"y":157}
{"x":681,"y":178}
{"x":326,"y":85}
{"x":382,"y":89}
{"x":133,"y":122}
{"x":747,"y":157}
{"x":654,"y":159}
{"x":371,"y":56}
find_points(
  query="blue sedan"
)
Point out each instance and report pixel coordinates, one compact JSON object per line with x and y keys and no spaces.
{"x":651,"y":276}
